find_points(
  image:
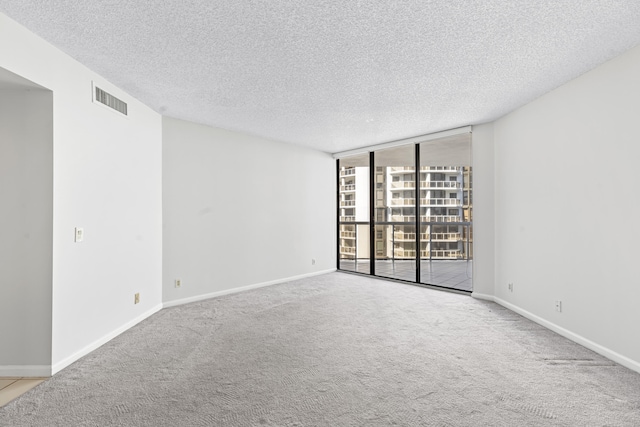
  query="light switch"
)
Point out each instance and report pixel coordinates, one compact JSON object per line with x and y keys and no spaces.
{"x":79,"y":235}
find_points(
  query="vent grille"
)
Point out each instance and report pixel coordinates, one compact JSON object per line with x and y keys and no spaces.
{"x":111,"y":101}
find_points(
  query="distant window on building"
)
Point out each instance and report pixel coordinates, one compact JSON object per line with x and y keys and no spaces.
{"x":453,"y":195}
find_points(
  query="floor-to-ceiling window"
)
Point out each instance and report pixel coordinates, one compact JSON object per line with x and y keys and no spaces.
{"x":405,"y":212}
{"x":395,"y":213}
{"x":353,"y":214}
{"x":445,"y":220}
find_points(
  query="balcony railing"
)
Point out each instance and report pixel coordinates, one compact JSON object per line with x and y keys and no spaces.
{"x":403,"y":184}
{"x":410,"y":237}
{"x":348,"y":172}
{"x":439,"y":184}
{"x":403,"y":218}
{"x":438,"y":254}
{"x":402,"y":169}
{"x":445,"y":254}
{"x":445,"y":237}
{"x":399,"y":201}
{"x":430,"y":219}
{"x":347,"y":218}
{"x":440,"y":169}
{"x":399,"y":238}
{"x":345,"y":203}
{"x":441,"y":218}
{"x":440,"y":202}
{"x":348,"y":187}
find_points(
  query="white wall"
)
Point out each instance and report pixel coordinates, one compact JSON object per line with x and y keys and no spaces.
{"x":26,"y":197}
{"x":482,"y":157}
{"x":567,"y":209}
{"x":106,"y":179}
{"x":240,"y":211}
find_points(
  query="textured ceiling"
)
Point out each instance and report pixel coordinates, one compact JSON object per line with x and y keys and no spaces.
{"x":335,"y":74}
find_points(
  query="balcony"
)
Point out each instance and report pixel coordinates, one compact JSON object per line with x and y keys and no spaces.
{"x":348,"y":234}
{"x":450,"y":273}
{"x":348,"y":172}
{"x":440,"y":202}
{"x":444,"y":237}
{"x":441,"y":218}
{"x":399,"y":201}
{"x":439,"y":184}
{"x":400,"y":236}
{"x":400,"y":253}
{"x":347,"y":203}
{"x":440,"y":169}
{"x":349,"y":188}
{"x":403,"y":218}
{"x":347,"y":218}
{"x":403,"y":185}
{"x":445,"y":254}
{"x":429,"y":219}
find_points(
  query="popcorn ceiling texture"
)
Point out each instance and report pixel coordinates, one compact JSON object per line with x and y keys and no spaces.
{"x":331,"y":74}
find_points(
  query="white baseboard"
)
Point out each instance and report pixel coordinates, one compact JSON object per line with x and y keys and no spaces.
{"x":604,"y":351}
{"x":25,"y":371}
{"x":485,"y":297}
{"x":108,"y":337}
{"x":241,"y":289}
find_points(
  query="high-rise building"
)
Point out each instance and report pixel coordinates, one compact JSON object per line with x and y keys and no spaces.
{"x":445,"y":212}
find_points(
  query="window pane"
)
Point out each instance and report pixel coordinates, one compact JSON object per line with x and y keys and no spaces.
{"x":354,"y":188}
{"x":354,"y":238}
{"x":445,"y":225}
{"x":396,"y":214}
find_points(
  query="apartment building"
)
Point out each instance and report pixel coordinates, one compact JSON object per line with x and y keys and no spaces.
{"x":445,"y":197}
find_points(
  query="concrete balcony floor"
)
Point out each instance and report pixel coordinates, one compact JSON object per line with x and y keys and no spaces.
{"x":454,"y":274}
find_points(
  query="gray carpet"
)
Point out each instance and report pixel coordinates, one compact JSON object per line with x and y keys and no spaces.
{"x":335,"y":350}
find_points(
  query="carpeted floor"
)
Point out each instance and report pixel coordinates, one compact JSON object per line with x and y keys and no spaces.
{"x":335,"y":350}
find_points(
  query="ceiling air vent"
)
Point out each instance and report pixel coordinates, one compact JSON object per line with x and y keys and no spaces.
{"x":109,"y":100}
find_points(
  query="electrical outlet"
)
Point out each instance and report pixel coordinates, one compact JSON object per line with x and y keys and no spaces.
{"x":136,"y":298}
{"x":510,"y":286}
{"x":313,"y":261}
{"x":559,"y":306}
{"x":79,"y":235}
{"x":178,"y":283}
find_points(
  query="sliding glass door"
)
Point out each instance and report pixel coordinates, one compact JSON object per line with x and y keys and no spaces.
{"x":406,"y":212}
